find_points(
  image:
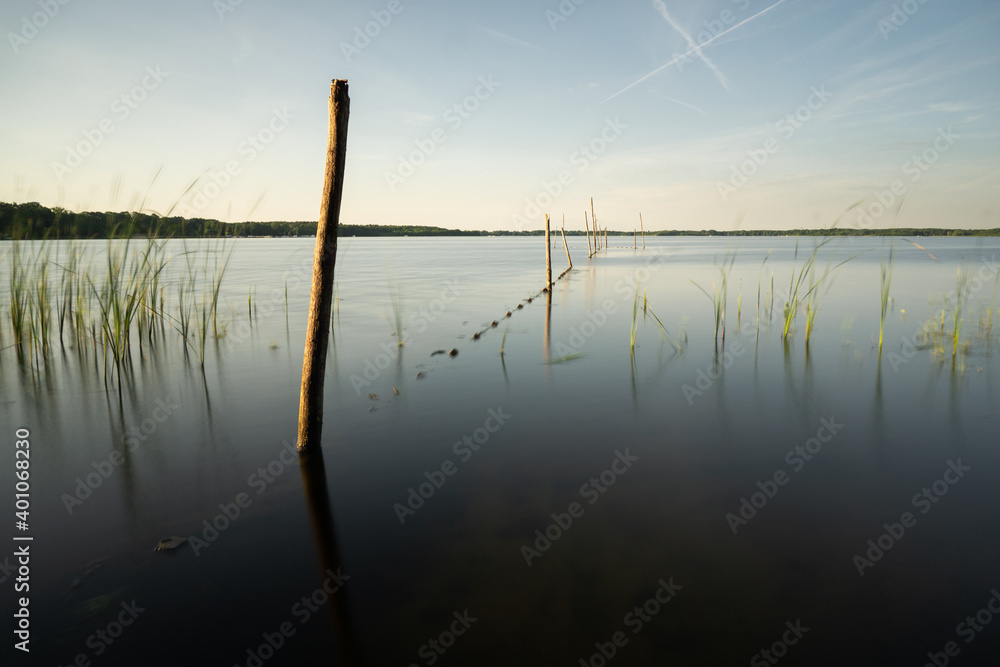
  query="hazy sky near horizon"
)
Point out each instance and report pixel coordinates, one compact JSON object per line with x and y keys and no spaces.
{"x":702,"y":115}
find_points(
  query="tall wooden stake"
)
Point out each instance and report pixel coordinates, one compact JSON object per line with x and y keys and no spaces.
{"x":643,"y":232}
{"x":590,"y":253}
{"x":324,"y":259}
{"x":566,"y":245}
{"x":548,"y":255}
{"x":593,"y":217}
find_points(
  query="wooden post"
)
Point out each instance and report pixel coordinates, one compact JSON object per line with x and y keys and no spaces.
{"x":593,"y":217}
{"x":643,"y":232}
{"x":605,"y":237}
{"x":590,"y":253}
{"x":324,"y":259}
{"x":548,"y":255}
{"x":566,"y":245}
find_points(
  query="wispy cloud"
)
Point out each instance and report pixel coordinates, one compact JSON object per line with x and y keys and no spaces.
{"x":692,"y":50}
{"x":683,"y":104}
{"x":513,"y":41}
{"x":723,"y":79}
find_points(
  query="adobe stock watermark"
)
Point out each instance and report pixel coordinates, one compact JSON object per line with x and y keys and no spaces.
{"x":924,"y":501}
{"x":785,"y":128}
{"x":302,"y":611}
{"x":968,"y":629}
{"x":419,"y":321}
{"x":779,"y":649}
{"x":464,"y":449}
{"x":230,"y":512}
{"x":365,"y":34}
{"x":436,"y":647}
{"x":223,"y":7}
{"x":122,"y":107}
{"x":248,"y":150}
{"x":579,"y":335}
{"x":898,"y":17}
{"x":707,"y":377}
{"x":565,"y":9}
{"x":915,"y":168}
{"x":454,"y":116}
{"x":135,"y":436}
{"x":30,"y":25}
{"x":238,"y":334}
{"x":592,"y":491}
{"x":635,"y":620}
{"x":713,"y":28}
{"x":7,"y":569}
{"x":625,"y":289}
{"x":796,"y":458}
{"x":101,"y":640}
{"x":909,"y":346}
{"x":582,"y":158}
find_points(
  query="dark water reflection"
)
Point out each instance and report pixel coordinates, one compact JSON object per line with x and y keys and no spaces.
{"x":701,"y":440}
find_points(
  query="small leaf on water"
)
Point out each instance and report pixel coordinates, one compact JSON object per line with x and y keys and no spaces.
{"x":170,"y":543}
{"x":374,"y":397}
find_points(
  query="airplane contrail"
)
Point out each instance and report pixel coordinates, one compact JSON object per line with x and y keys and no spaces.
{"x":693,"y":46}
{"x":690,"y":51}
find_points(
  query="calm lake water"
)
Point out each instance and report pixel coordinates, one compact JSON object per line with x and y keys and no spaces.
{"x":557,"y":504}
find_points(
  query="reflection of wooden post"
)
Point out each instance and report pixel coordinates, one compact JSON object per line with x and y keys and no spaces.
{"x":590,"y":253}
{"x":566,"y":245}
{"x":548,"y":328}
{"x":548,"y":254}
{"x":635,"y":239}
{"x":643,"y":232}
{"x":317,"y":499}
{"x":324,"y":258}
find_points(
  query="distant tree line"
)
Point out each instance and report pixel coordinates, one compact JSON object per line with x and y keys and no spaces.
{"x":34,"y":221}
{"x":837,"y":231}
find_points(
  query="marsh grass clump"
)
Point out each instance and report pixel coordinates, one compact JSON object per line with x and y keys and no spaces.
{"x":803,"y":289}
{"x":962,"y":294}
{"x":719,"y":297}
{"x":760,"y":275}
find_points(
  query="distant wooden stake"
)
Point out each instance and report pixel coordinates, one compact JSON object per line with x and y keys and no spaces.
{"x":643,"y":232}
{"x":566,"y":245}
{"x":548,"y":255}
{"x":324,"y":259}
{"x":590,"y":253}
{"x":593,"y":217}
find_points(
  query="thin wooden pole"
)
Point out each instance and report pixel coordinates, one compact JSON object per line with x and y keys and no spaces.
{"x":593,"y":216}
{"x":590,"y":253}
{"x":548,"y":254}
{"x":324,"y":260}
{"x":643,"y":232}
{"x":566,"y":245}
{"x":605,"y":237}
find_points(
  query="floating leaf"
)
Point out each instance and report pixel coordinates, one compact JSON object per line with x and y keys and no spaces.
{"x":170,"y":543}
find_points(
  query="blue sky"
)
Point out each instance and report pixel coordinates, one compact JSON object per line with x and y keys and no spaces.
{"x":700,"y":115}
